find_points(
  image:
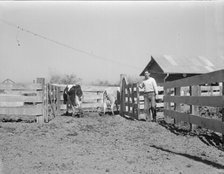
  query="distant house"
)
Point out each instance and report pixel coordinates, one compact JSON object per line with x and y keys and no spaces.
{"x":8,"y":81}
{"x":168,"y":68}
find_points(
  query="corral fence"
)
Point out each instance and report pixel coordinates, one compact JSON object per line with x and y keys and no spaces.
{"x":132,"y":98}
{"x":92,"y":98}
{"x":198,"y":96}
{"x":41,"y":102}
{"x":24,"y":101}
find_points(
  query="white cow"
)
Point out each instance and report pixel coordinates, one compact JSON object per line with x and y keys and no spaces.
{"x":111,"y":97}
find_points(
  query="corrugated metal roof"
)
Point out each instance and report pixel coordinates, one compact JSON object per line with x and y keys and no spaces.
{"x":188,"y":65}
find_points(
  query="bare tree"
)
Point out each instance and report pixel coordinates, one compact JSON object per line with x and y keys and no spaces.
{"x":65,"y":79}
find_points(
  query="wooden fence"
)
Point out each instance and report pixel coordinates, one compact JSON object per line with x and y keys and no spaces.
{"x":132,"y":99}
{"x":19,"y":101}
{"x":195,"y":99}
{"x":42,"y":102}
{"x":92,"y":98}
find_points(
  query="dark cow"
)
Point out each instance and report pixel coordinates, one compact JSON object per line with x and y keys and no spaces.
{"x":72,"y":96}
{"x":111,"y":97}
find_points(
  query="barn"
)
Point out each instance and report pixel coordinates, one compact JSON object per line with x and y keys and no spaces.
{"x":169,"y":68}
{"x":8,"y":81}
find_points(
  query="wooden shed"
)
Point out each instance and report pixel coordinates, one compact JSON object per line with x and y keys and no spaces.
{"x":168,"y":68}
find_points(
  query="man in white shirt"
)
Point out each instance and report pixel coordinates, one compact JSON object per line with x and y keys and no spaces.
{"x":150,"y":92}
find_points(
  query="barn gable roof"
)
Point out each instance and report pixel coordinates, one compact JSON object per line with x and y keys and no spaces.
{"x":185,"y":65}
{"x":8,"y":81}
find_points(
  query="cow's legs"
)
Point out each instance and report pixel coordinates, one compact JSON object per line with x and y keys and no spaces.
{"x":73,"y":110}
{"x":66,"y":108}
{"x":117,"y":107}
{"x":104,"y":107}
{"x":112,"y":108}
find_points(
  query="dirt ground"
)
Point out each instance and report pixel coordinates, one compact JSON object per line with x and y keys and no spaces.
{"x":106,"y":144}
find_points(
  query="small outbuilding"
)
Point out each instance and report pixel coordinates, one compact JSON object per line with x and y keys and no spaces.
{"x":168,"y":68}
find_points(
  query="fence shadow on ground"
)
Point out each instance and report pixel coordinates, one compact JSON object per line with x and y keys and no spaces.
{"x":195,"y":158}
{"x":207,"y":137}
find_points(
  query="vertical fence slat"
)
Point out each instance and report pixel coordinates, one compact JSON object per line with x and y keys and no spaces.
{"x":46,"y":102}
{"x":177,"y":105}
{"x":223,"y":114}
{"x":138,"y":101}
{"x":58,"y":100}
{"x":40,"y":119}
{"x":128,"y":99}
{"x":133,"y":101}
{"x":123,"y":83}
{"x":167,"y":105}
{"x":194,"y":110}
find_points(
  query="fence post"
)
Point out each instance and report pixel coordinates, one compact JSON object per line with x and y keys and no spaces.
{"x":40,"y":119}
{"x":58,"y":100}
{"x":122,"y":96}
{"x":194,"y":110}
{"x":177,"y":105}
{"x":133,"y":101}
{"x":138,"y":100}
{"x":167,"y":105}
{"x":129,"y":99}
{"x":223,"y":114}
{"x":46,"y":102}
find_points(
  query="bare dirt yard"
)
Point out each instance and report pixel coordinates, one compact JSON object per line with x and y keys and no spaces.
{"x":106,"y":144}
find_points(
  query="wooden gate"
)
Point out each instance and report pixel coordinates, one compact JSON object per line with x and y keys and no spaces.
{"x":132,"y":99}
{"x":26,"y":102}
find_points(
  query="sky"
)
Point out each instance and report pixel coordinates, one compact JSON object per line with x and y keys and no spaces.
{"x":101,"y":40}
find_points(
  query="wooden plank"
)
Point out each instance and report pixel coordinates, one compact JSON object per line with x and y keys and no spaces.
{"x":209,"y":94}
{"x":215,"y":101}
{"x":11,"y":104}
{"x":133,"y":100}
{"x":160,"y":97}
{"x":46,"y":103}
{"x":213,"y":77}
{"x":33,"y":86}
{"x":167,"y":105}
{"x":25,"y":93}
{"x":159,"y":105}
{"x":24,"y":110}
{"x":58,"y":100}
{"x":211,"y":124}
{"x":160,"y":88}
{"x":138,"y":101}
{"x":123,"y":82}
{"x":222,"y":114}
{"x":128,"y":90}
{"x":194,"y":110}
{"x":177,"y":105}
{"x":41,"y":119}
{"x":20,"y":98}
{"x":93,"y":97}
{"x":208,"y":88}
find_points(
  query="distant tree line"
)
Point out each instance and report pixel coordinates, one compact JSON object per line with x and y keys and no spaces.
{"x":104,"y":83}
{"x":65,"y":79}
{"x":73,"y":79}
{"x":130,"y":79}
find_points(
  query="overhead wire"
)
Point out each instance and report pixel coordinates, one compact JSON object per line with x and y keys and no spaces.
{"x":63,"y":44}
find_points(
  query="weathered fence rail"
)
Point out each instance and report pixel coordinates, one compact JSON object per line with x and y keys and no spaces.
{"x":195,"y":99}
{"x":23,"y":101}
